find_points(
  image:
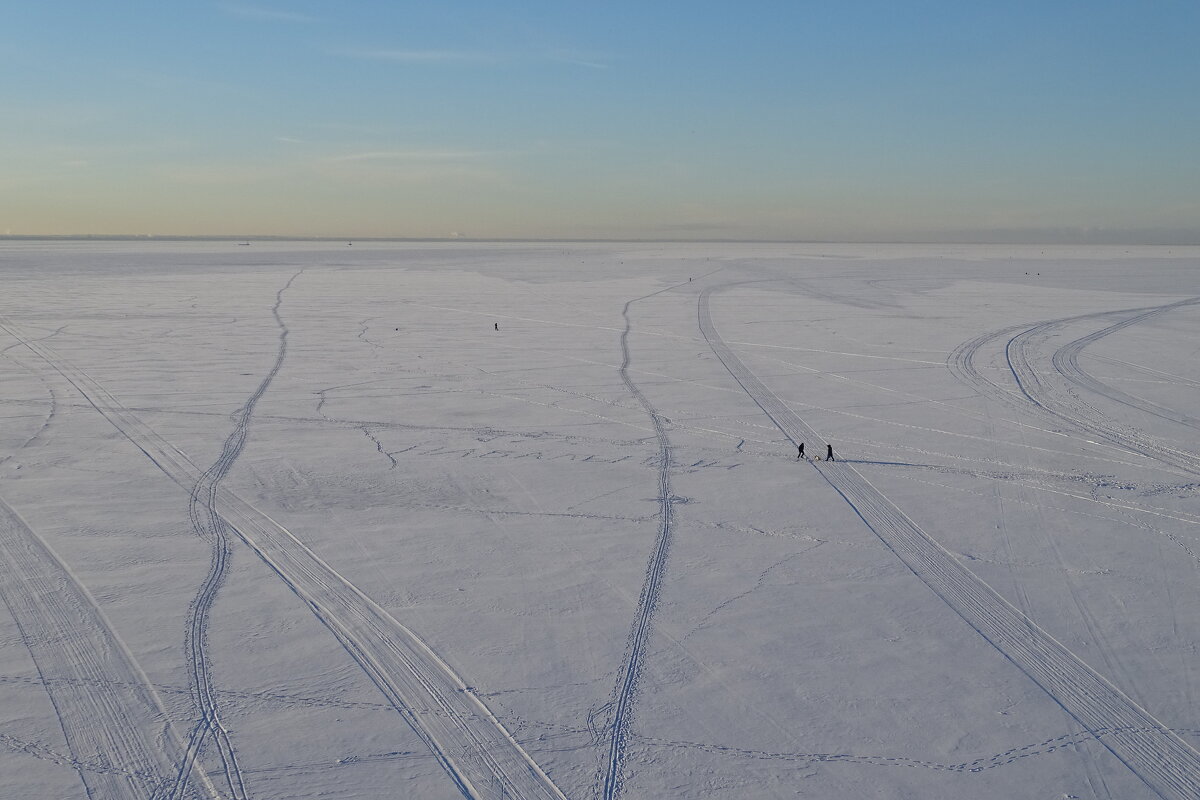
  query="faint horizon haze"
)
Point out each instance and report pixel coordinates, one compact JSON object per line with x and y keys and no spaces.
{"x":1057,"y":121}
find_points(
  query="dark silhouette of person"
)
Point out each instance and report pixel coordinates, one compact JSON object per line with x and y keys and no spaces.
{"x":800,"y":454}
{"x":829,"y":452}
{"x":497,"y":326}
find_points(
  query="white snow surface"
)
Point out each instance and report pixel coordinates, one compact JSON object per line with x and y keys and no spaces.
{"x":441,"y":520}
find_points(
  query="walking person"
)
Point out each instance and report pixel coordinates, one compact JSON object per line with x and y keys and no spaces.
{"x":497,"y":326}
{"x":800,"y":454}
{"x":829,"y":452}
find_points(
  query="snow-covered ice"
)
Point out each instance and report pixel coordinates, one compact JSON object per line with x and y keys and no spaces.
{"x":458,"y":519}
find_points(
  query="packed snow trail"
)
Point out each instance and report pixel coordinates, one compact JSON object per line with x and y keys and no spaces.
{"x":116,"y":728}
{"x":474,"y":748}
{"x":1162,"y":760}
{"x":208,"y":525}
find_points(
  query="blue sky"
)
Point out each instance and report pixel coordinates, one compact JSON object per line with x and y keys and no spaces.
{"x":798,"y":120}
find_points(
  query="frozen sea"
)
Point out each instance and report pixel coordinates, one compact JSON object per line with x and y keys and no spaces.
{"x":485,"y":520}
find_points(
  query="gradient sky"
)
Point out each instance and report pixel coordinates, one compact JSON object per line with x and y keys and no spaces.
{"x":782,"y":120}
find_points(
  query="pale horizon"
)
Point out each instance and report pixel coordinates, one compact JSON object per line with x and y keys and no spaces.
{"x":1047,"y":123}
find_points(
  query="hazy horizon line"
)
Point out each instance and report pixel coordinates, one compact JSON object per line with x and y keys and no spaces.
{"x":1117,"y":237}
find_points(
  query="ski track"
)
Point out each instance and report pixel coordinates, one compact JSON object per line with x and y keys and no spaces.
{"x":117,"y":730}
{"x":208,"y":525}
{"x":471,"y":745}
{"x":1157,"y":756}
{"x":624,"y":698}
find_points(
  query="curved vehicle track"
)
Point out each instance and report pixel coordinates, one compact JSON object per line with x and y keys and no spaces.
{"x":116,"y":728}
{"x":1157,"y":756}
{"x":53,"y":399}
{"x":1031,"y":388}
{"x":472,"y":746}
{"x":963,"y":361}
{"x":1066,"y":363}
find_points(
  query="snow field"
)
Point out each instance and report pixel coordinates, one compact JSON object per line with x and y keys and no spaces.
{"x":459,"y":565}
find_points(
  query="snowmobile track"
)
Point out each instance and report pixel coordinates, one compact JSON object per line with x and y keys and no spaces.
{"x":1157,"y":756}
{"x":477,"y":752}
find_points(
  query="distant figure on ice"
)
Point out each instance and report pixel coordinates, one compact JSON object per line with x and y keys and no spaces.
{"x":497,"y":326}
{"x":800,"y":454}
{"x":829,"y":452}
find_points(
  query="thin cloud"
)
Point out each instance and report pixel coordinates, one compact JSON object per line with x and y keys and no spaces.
{"x":267,"y":14}
{"x":419,"y":56}
{"x":578,"y":59}
{"x":571,"y":57}
{"x":576,"y":62}
{"x":422,"y":156}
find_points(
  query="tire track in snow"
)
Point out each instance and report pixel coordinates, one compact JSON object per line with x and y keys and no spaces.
{"x":53,"y":410}
{"x":208,"y":525}
{"x":1029,"y":388}
{"x":1156,"y":755}
{"x":1019,"y":353}
{"x":1066,"y":363}
{"x":471,"y":745}
{"x":118,"y":733}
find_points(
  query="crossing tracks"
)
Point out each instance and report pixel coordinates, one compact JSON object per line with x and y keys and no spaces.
{"x":478,"y":753}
